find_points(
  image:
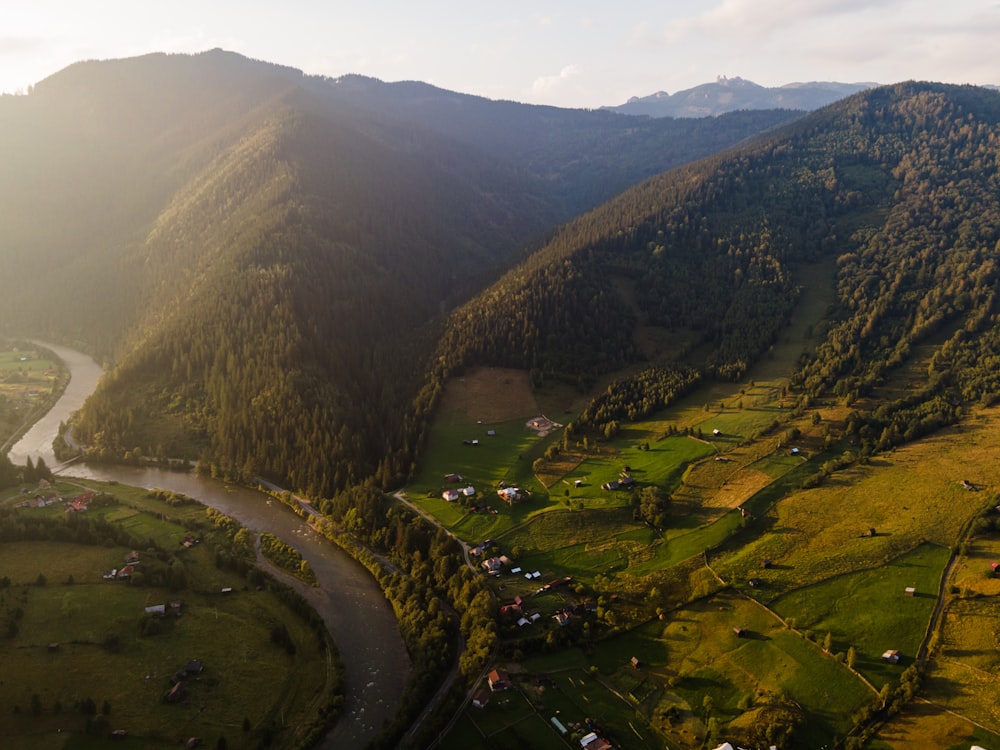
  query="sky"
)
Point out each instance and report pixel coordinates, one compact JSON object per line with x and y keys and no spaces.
{"x":566,"y":53}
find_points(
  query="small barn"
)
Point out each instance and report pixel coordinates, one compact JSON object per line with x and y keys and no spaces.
{"x":498,"y":680}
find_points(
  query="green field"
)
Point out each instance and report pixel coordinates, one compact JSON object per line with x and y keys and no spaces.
{"x":870,"y":610}
{"x":111,"y":653}
{"x":736,"y":502}
{"x":29,"y":384}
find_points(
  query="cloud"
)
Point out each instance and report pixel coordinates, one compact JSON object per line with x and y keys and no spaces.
{"x":763,"y":17}
{"x":19,"y":45}
{"x":548,"y":83}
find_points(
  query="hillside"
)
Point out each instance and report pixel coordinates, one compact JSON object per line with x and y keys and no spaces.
{"x":701,"y":265}
{"x":258,"y":252}
{"x":770,"y":517}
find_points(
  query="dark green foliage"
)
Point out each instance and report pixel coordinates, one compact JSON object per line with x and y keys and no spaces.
{"x":633,"y":398}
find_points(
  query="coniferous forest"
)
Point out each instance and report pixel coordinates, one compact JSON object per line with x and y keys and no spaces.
{"x":282,"y":273}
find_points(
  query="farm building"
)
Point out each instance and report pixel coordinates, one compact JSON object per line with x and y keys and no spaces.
{"x":469,"y":491}
{"x":450,"y":496}
{"x":739,"y":632}
{"x":480,"y":698}
{"x":891,"y":656}
{"x":594,"y":742}
{"x":453,"y":478}
{"x":498,"y":680}
{"x":509,"y":495}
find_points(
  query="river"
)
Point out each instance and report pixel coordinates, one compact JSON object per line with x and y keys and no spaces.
{"x":350,"y":601}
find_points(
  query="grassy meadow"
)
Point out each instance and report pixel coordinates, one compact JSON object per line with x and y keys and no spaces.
{"x":735,"y":458}
{"x":29,"y":384}
{"x":112,"y":653}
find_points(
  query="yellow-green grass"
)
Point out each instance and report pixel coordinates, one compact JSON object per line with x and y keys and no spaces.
{"x":246,"y":675}
{"x":582,"y":543}
{"x":965,"y":672}
{"x":924,"y":724}
{"x":973,"y":572}
{"x":870,"y":610}
{"x":908,"y":496}
{"x":694,"y":653}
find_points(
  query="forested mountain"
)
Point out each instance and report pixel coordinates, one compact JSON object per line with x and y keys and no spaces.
{"x":732,"y":94}
{"x":259,"y":253}
{"x":899,"y":185}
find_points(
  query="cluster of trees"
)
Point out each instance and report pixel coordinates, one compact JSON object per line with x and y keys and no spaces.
{"x":632,"y":398}
{"x":286,"y":557}
{"x":432,"y":592}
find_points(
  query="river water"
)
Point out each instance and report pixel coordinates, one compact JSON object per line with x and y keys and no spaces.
{"x":356,"y":612}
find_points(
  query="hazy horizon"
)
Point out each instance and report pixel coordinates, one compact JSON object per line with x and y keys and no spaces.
{"x":585,"y":55}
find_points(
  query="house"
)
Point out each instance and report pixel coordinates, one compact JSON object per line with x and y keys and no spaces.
{"x":891,"y":656}
{"x":492,"y":566}
{"x":910,"y":591}
{"x":126,"y":572}
{"x":509,"y":495}
{"x":594,"y":742}
{"x":480,"y":698}
{"x":450,"y":495}
{"x":498,"y":680}
{"x":469,"y":491}
{"x":194,"y":667}
{"x":562,"y":617}
{"x":453,"y":478}
{"x":522,"y":621}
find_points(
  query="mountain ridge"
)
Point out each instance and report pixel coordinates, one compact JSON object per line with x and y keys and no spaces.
{"x":732,"y":94}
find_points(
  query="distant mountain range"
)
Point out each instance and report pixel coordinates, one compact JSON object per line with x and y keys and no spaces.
{"x":732,"y":94}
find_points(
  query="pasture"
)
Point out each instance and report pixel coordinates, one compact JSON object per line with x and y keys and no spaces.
{"x":28,"y":384}
{"x":837,"y":553}
{"x":909,"y":496}
{"x":870,"y":610}
{"x":111,"y":652}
